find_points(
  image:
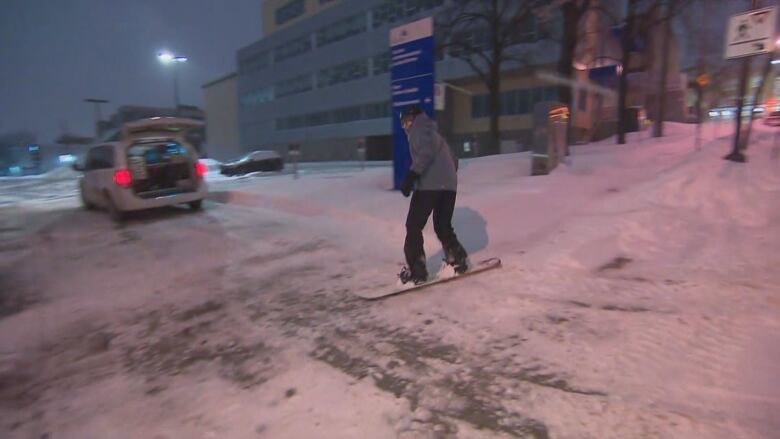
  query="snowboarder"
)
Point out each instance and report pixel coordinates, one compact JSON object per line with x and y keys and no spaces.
{"x":433,"y":178}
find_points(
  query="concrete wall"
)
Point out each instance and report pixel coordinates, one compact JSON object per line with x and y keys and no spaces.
{"x":223,"y":139}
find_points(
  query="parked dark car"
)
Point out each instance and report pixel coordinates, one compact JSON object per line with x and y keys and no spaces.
{"x":773,"y":119}
{"x":257,"y":161}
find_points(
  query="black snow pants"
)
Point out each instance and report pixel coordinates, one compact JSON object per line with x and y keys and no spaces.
{"x":442,"y":204}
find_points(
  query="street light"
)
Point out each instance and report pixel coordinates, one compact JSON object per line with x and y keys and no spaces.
{"x":169,"y":58}
{"x":777,"y":44}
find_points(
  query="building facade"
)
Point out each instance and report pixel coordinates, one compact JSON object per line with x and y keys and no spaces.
{"x":320,"y":79}
{"x":223,"y":140}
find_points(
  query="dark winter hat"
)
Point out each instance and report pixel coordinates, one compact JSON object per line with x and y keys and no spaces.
{"x":412,"y":111}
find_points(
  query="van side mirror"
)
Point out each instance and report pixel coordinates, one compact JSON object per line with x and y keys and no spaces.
{"x":77,"y":167}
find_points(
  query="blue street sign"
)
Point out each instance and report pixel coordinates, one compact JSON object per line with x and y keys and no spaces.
{"x":412,"y":78}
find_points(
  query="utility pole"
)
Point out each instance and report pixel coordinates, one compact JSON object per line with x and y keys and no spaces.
{"x":176,"y":102}
{"x":736,"y":154}
{"x":98,"y":116}
{"x":169,"y":58}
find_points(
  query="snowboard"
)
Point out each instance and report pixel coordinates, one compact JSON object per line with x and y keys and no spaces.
{"x":479,"y":267}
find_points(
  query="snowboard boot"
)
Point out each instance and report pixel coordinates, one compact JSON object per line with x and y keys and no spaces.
{"x":457,"y":258}
{"x":417,"y":274}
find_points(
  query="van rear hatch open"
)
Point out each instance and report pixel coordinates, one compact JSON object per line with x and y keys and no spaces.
{"x":169,"y":127}
{"x":161,"y":167}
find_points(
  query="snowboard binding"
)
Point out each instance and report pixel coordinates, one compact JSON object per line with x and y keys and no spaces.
{"x":457,"y":259}
{"x":416,"y":277}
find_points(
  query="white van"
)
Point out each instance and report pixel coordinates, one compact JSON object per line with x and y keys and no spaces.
{"x":150,"y":166}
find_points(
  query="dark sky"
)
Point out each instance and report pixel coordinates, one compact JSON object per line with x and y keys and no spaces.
{"x":55,"y":53}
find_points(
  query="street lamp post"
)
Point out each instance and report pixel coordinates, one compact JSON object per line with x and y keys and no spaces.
{"x":168,"y":58}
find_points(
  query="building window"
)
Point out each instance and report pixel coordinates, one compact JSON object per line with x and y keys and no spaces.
{"x":290,"y":11}
{"x":348,"y":71}
{"x":292,"y":48}
{"x":381,"y":63}
{"x":537,"y":95}
{"x":341,"y":29}
{"x":317,"y":119}
{"x":582,"y":100}
{"x":254,"y":63}
{"x":393,"y":11}
{"x":299,"y":84}
{"x":470,"y":41}
{"x":551,"y":93}
{"x":257,"y":97}
{"x":513,"y":102}
{"x":377,"y":110}
{"x":525,"y":32}
{"x":509,"y":102}
{"x":523,"y":101}
{"x":348,"y":114}
{"x":479,"y":106}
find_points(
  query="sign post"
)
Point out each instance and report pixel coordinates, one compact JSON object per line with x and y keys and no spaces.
{"x":749,"y":33}
{"x":411,"y":83}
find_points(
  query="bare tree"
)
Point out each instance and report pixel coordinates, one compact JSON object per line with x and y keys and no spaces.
{"x":704,"y":39}
{"x":670,"y":10}
{"x":642,"y":17}
{"x":572,"y":12}
{"x":480,"y":33}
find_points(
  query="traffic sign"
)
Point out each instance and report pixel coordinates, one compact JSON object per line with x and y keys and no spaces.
{"x":751,"y":33}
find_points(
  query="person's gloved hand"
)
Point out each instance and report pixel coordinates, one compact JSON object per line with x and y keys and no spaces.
{"x":408,"y":184}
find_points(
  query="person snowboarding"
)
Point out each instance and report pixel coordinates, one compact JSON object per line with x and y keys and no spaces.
{"x":433,"y":179}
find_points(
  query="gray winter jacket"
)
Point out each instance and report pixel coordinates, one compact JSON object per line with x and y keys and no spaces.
{"x":432,"y":157}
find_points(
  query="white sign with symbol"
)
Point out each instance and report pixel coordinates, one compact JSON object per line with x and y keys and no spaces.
{"x":751,"y":33}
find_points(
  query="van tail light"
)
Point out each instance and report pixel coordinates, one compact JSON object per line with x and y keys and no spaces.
{"x":201,"y":168}
{"x":123,"y":177}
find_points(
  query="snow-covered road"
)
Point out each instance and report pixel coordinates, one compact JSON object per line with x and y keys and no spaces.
{"x":639,"y":298}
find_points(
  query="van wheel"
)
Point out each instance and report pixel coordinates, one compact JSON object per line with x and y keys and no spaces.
{"x":116,"y":215}
{"x":87,"y":205}
{"x":196,"y":205}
